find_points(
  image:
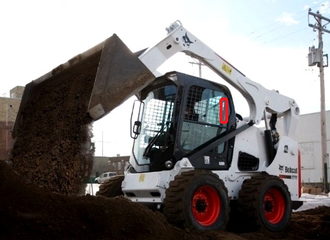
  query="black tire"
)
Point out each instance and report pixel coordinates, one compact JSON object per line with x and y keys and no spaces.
{"x":111,"y":187}
{"x":197,"y":200}
{"x":265,"y":201}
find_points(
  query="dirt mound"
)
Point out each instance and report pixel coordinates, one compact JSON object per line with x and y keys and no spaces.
{"x":29,"y":212}
{"x":53,"y":146}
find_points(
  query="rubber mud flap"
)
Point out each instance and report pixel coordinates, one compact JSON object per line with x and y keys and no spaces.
{"x":120,"y":75}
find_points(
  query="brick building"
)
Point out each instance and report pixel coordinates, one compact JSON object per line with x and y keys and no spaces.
{"x":8,"y":110}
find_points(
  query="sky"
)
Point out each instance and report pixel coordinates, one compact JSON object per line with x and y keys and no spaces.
{"x":267,"y":40}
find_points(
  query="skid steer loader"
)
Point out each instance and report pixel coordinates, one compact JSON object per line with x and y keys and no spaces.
{"x":193,"y":157}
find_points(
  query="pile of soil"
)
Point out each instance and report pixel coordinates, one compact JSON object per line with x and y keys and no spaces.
{"x":53,"y":147}
{"x":29,"y":212}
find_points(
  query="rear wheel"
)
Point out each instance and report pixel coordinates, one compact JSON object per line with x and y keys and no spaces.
{"x":111,"y":187}
{"x":265,"y":201}
{"x":197,"y":200}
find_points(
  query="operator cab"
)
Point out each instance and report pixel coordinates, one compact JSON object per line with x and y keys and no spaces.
{"x":182,"y":116}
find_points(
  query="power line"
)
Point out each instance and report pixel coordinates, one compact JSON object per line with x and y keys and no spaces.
{"x":275,"y":23}
{"x":282,"y":25}
{"x":276,"y":29}
{"x":273,"y":30}
{"x":274,"y":39}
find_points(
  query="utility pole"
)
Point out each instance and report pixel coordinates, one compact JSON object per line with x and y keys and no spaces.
{"x":316,"y":57}
{"x":199,"y":63}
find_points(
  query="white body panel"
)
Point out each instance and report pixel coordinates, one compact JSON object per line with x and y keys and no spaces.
{"x":286,"y":165}
{"x":150,"y":187}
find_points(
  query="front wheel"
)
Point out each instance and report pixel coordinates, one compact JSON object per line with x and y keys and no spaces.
{"x":265,"y":201}
{"x":197,"y":200}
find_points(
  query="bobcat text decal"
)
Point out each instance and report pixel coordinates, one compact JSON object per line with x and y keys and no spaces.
{"x":288,"y":172}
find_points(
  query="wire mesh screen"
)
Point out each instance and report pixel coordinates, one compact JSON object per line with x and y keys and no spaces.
{"x":201,"y":117}
{"x":203,"y":105}
{"x":194,"y":96}
{"x":157,"y":117}
{"x":157,"y":113}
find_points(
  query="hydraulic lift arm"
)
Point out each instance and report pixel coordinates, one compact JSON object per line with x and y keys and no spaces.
{"x":259,"y":98}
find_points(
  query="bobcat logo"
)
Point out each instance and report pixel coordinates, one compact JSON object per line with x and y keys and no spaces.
{"x":281,"y":168}
{"x":187,"y":40}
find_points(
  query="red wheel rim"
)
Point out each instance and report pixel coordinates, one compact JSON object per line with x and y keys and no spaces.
{"x":206,"y":205}
{"x":274,"y":206}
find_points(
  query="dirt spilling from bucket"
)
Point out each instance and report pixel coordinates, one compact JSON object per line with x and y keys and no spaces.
{"x":53,"y":147}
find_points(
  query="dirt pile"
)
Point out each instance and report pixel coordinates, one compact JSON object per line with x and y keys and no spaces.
{"x":29,"y":212}
{"x":53,"y":146}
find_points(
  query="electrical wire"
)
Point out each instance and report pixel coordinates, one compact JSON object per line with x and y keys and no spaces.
{"x":275,"y":23}
{"x":274,"y":39}
{"x":282,"y":25}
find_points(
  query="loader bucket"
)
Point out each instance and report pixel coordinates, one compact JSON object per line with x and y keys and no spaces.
{"x":120,"y":75}
{"x":117,"y":74}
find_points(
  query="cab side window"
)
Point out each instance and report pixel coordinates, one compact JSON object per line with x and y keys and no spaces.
{"x":201,"y":118}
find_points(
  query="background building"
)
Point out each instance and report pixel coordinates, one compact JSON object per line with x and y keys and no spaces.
{"x":8,"y":110}
{"x":109,"y":164}
{"x":308,"y":136}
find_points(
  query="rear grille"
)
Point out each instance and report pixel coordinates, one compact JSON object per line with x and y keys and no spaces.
{"x":247,"y":162}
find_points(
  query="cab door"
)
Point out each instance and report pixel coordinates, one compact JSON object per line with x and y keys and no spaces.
{"x":206,"y":114}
